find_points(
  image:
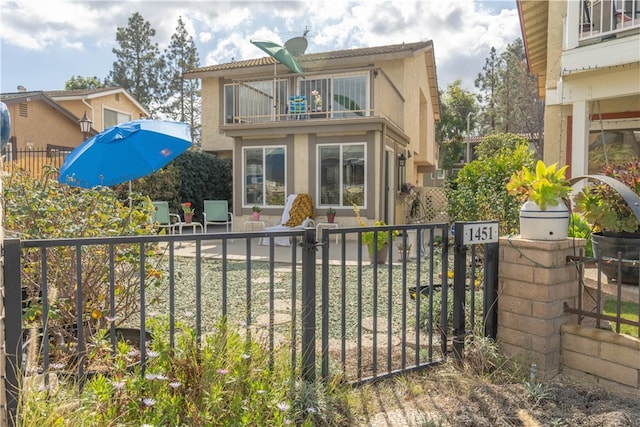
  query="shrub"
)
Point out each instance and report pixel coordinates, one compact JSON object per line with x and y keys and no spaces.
{"x":479,"y":190}
{"x":44,"y":209}
{"x":221,"y":378}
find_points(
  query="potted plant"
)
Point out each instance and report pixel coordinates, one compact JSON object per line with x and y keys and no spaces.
{"x":331,"y":215}
{"x":256,"y":212}
{"x":544,"y":214}
{"x":188,"y":210}
{"x":404,"y":252}
{"x":375,"y":241}
{"x":612,"y":207}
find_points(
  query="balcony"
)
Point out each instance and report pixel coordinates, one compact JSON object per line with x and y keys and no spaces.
{"x":322,"y":97}
{"x":605,"y":19}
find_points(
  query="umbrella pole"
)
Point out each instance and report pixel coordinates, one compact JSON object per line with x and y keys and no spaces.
{"x":275,"y":88}
{"x":130,"y":204}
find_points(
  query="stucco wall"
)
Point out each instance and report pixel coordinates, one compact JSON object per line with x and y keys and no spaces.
{"x":212,"y":138}
{"x":42,"y":125}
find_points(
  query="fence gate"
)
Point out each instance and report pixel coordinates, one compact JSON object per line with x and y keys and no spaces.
{"x":383,"y":318}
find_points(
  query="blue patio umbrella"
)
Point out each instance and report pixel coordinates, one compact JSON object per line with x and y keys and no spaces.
{"x":124,"y":152}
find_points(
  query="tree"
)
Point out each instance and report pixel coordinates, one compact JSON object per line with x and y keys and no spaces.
{"x":180,"y":97}
{"x":479,"y":191}
{"x":488,"y":85}
{"x":508,"y":95}
{"x":79,"y":82}
{"x":138,"y":62}
{"x":456,"y":106}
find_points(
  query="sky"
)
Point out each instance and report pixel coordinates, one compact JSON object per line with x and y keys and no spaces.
{"x":45,"y":42}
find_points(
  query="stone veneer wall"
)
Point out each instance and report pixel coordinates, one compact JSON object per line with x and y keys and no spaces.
{"x":534,"y":283}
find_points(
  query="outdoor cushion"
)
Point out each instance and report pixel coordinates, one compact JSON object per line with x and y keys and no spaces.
{"x":301,"y":209}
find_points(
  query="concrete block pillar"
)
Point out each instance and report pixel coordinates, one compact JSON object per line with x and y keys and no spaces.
{"x":534,"y":283}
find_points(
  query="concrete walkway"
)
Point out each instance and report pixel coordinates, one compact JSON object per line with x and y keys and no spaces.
{"x":238,"y":249}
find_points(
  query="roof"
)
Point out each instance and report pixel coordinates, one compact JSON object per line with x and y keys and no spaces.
{"x":19,"y":97}
{"x":316,"y":57}
{"x":534,"y":23}
{"x":72,"y":95}
{"x":78,"y":94}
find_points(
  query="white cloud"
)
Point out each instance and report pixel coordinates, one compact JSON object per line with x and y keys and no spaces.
{"x":463,"y":31}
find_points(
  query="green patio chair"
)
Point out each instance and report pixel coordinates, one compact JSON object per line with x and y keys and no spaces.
{"x":161,"y":217}
{"x":217,"y":212}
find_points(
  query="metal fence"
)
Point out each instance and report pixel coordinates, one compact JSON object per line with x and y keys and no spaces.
{"x":606,"y":302}
{"x":375,"y":319}
{"x":33,"y":161}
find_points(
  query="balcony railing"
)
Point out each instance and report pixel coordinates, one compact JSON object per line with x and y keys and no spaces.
{"x":330,"y":96}
{"x":605,"y":18}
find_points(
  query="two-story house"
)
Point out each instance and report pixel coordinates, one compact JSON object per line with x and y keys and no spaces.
{"x":351,"y":128}
{"x":49,"y":120}
{"x":586,"y":54}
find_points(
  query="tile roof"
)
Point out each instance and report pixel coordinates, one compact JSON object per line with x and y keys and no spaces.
{"x":80,"y":92}
{"x":321,"y":56}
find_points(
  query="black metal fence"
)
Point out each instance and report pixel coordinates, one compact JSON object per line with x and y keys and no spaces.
{"x":33,"y":160}
{"x":375,"y":319}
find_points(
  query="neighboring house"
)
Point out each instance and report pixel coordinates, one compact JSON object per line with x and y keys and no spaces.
{"x":338,"y":132}
{"x":586,"y":54}
{"x":49,"y":120}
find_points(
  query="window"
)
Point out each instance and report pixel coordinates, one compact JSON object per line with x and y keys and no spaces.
{"x":613,"y":141}
{"x":112,"y":118}
{"x":264,"y":176}
{"x":342,"y":174}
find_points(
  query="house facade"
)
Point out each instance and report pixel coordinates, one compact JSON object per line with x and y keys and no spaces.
{"x":49,"y":120}
{"x":586,"y":54}
{"x":352,"y":128}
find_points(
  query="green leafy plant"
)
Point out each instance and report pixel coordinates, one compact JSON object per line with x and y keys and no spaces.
{"x":330,"y":210}
{"x":579,"y":228}
{"x":256,"y":208}
{"x":546,"y":186}
{"x":187,"y":208}
{"x":220,"y":378}
{"x":41,"y":208}
{"x":380,"y":238}
{"x":479,"y":191}
{"x":604,"y":208}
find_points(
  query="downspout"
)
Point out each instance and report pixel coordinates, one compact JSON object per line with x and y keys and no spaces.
{"x":384,"y":176}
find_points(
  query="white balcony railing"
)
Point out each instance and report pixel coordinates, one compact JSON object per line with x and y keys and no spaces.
{"x":603,"y":18}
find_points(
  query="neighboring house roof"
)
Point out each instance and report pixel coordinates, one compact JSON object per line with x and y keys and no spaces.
{"x":364,"y":55}
{"x":312,"y":57}
{"x":19,"y":97}
{"x":534,"y":24}
{"x":77,"y":94}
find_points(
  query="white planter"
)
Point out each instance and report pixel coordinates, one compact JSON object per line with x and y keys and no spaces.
{"x":551,"y":224}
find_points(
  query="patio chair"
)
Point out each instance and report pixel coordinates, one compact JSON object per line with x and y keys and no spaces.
{"x":217,"y":212}
{"x":298,"y":107}
{"x":161,"y":217}
{"x":298,"y":214}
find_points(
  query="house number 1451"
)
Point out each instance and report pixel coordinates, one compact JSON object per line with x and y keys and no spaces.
{"x":480,"y":232}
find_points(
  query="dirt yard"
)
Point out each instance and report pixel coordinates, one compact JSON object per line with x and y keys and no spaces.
{"x":447,"y":397}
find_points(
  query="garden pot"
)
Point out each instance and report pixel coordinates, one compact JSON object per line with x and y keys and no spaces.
{"x":381,"y":256}
{"x":188,"y":217}
{"x":550,"y":224}
{"x":606,"y":248}
{"x":255,"y":216}
{"x":331,"y":217}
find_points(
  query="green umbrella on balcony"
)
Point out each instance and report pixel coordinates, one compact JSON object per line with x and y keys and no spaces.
{"x":280,"y":53}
